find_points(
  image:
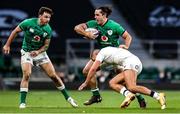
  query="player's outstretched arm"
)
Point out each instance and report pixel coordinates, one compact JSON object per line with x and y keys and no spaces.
{"x":6,"y":47}
{"x":91,"y":73}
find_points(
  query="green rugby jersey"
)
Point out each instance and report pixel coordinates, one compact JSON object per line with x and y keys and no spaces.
{"x":109,"y":33}
{"x":34,"y":34}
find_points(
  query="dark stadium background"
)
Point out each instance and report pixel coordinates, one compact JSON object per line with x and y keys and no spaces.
{"x":158,"y":34}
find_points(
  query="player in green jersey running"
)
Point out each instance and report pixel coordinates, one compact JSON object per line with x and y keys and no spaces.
{"x":37,"y":36}
{"x":109,"y":32}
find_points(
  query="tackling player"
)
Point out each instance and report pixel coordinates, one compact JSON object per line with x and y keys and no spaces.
{"x":132,"y":66}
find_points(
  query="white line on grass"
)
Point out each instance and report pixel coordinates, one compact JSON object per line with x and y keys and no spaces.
{"x":89,"y":113}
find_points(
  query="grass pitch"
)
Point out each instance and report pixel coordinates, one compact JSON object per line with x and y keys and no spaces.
{"x":47,"y":102}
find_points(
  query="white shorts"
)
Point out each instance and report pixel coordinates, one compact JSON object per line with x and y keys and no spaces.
{"x":38,"y":60}
{"x":133,"y":63}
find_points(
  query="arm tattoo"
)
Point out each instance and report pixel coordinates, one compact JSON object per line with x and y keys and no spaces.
{"x":45,"y":47}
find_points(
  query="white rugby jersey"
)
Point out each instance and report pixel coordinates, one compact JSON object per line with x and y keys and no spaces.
{"x":113,"y":55}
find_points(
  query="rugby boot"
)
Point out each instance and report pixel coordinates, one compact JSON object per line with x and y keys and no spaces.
{"x":142,"y":103}
{"x":22,"y":105}
{"x":93,"y":99}
{"x":162,"y":100}
{"x":72,"y":102}
{"x":129,"y":98}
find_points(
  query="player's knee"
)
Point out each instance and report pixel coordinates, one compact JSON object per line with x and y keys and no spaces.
{"x":26,"y":77}
{"x":111,"y":84}
{"x":26,"y":74}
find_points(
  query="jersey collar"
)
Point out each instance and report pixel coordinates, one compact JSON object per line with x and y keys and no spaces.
{"x":105,"y":22}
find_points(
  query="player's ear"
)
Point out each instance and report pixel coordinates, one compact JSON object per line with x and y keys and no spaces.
{"x":39,"y":16}
{"x":94,"y":54}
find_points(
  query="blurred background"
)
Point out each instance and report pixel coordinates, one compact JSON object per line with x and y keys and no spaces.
{"x":153,"y":24}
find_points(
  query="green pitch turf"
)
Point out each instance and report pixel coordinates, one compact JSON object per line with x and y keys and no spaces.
{"x":53,"y":102}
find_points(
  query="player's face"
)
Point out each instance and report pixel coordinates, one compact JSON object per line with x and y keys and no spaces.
{"x":100,"y":18}
{"x":44,"y":18}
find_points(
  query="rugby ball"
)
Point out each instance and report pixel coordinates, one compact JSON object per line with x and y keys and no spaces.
{"x":93,"y":30}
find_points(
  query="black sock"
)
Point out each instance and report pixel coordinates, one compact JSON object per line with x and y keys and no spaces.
{"x":152,"y":93}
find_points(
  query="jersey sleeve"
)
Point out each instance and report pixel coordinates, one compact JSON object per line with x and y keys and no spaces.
{"x":120,"y":30}
{"x":49,"y":32}
{"x":91,"y":24}
{"x":23,"y":25}
{"x":49,"y":35}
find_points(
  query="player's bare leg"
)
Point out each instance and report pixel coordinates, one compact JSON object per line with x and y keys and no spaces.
{"x":26,"y":70}
{"x":130,"y":77}
{"x":117,"y":84}
{"x":50,"y":71}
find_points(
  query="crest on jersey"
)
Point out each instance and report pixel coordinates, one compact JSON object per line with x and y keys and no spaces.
{"x":44,"y":34}
{"x":104,"y":38}
{"x":31,"y":30}
{"x":110,"y":32}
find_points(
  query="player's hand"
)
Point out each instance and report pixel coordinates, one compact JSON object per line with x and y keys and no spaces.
{"x":6,"y":49}
{"x":90,"y":35}
{"x":123,"y":46}
{"x":34,"y":53}
{"x":82,"y":86}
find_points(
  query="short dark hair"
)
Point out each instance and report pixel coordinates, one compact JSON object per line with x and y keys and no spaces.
{"x":105,"y":10}
{"x":45,"y":9}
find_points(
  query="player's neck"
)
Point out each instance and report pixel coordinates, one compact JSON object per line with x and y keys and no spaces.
{"x":105,"y":21}
{"x":39,"y":22}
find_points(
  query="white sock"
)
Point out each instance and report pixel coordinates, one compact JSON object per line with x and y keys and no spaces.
{"x":61,"y":87}
{"x":96,"y":89}
{"x":124,"y":91}
{"x":137,"y":94}
{"x":24,"y":89}
{"x":156,"y":95}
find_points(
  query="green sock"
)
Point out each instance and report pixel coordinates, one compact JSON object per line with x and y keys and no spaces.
{"x":23,"y":96}
{"x":64,"y":92}
{"x":139,"y":97}
{"x":95,"y":92}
